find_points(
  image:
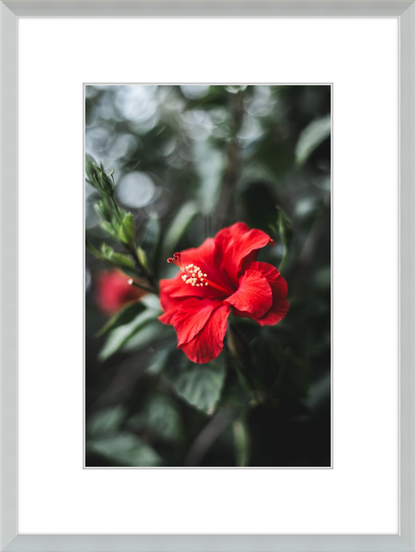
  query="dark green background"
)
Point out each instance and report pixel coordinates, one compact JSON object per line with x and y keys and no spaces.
{"x":188,"y":161}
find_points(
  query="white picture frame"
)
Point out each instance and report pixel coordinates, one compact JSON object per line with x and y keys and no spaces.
{"x":406,"y":537}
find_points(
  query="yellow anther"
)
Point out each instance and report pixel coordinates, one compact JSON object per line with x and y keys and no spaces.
{"x":192,"y":274}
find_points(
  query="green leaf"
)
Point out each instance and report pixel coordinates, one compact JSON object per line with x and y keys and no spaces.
{"x":108,"y":254}
{"x":142,"y":257}
{"x":115,"y":258}
{"x":178,"y":227}
{"x":126,"y":449}
{"x":109,"y":228}
{"x":90,"y":162}
{"x":104,"y":209}
{"x":127,"y":230}
{"x":94,"y":250}
{"x":319,"y":393}
{"x":311,"y":137}
{"x":106,"y":421}
{"x":160,"y":417}
{"x":122,"y":317}
{"x":120,"y":335}
{"x":158,"y":361}
{"x":151,"y":335}
{"x":151,"y":301}
{"x":122,"y":261}
{"x":198,"y":384}
{"x":98,"y":178}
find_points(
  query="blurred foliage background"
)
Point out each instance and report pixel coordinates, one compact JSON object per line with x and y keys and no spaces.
{"x":187,"y":161}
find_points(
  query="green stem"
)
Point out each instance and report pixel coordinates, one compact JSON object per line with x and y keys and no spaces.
{"x":239,"y":352}
{"x":284,"y":258}
{"x":146,"y":273}
{"x":145,"y":288}
{"x":241,"y":442}
{"x":131,"y":248}
{"x":133,"y":252}
{"x":116,"y":209}
{"x":243,"y":380}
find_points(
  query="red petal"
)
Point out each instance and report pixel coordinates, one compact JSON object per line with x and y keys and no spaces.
{"x":273,"y":276}
{"x":208,"y":343}
{"x":268,"y":270}
{"x":175,"y":288}
{"x":279,"y":308}
{"x":236,"y":244}
{"x":253,"y":295}
{"x":203,"y":256}
{"x":278,"y":285}
{"x":190,"y":317}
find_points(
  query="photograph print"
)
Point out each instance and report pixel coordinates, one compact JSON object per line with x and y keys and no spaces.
{"x":207,"y":276}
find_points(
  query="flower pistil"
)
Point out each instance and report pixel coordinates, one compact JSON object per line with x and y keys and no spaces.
{"x":193,"y":275}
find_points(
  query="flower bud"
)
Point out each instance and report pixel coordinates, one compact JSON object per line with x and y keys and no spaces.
{"x":114,"y":291}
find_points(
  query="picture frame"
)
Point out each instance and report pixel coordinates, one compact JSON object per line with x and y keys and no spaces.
{"x":406,"y":537}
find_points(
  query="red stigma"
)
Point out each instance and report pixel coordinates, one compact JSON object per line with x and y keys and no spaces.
{"x":176,"y":259}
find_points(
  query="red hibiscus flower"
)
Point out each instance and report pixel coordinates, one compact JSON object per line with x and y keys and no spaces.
{"x":219,"y":276}
{"x":114,"y":291}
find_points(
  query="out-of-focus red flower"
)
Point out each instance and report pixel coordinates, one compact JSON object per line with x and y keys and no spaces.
{"x":114,"y":291}
{"x":221,"y":275}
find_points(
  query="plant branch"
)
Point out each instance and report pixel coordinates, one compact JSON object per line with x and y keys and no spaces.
{"x":140,"y":286}
{"x":118,"y":224}
{"x":233,"y":168}
{"x":204,"y":441}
